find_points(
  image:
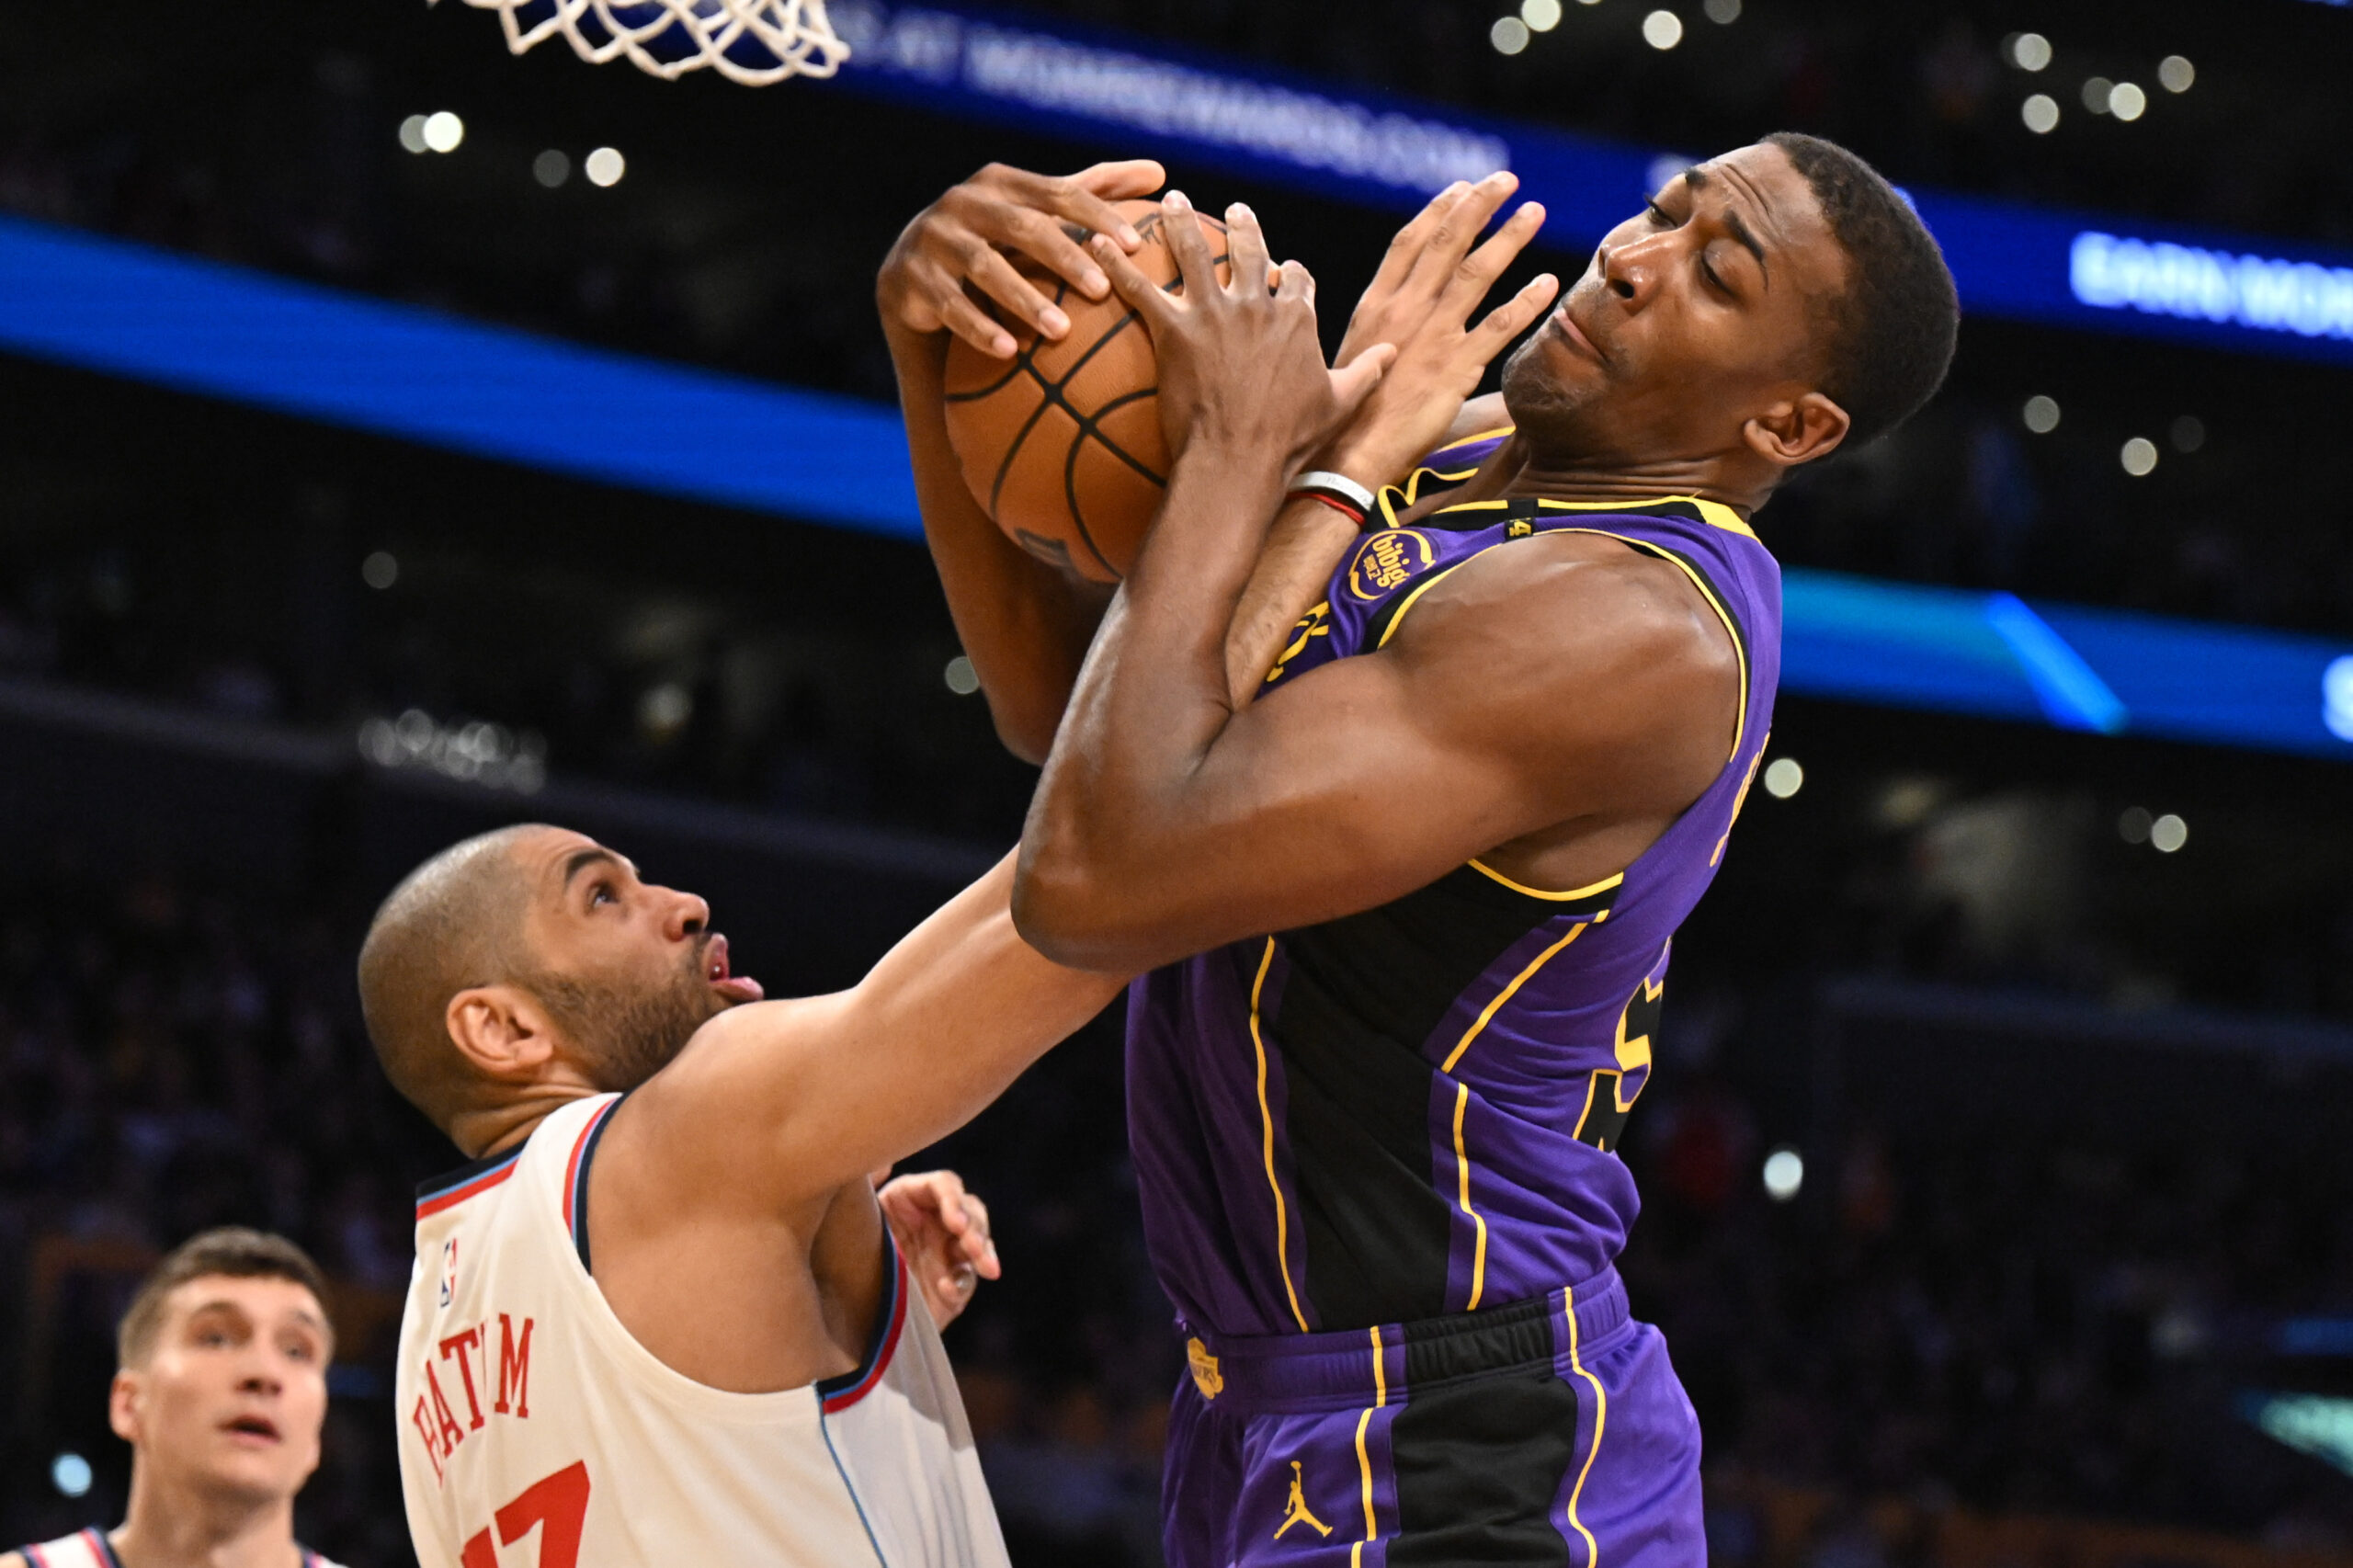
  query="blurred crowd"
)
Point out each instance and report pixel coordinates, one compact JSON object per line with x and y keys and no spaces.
{"x":1971,"y":1323}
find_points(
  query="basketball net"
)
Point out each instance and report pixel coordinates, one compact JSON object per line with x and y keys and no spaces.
{"x":751,"y":41}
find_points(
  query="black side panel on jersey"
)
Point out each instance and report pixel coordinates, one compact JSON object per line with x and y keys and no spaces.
{"x":1479,"y":1464}
{"x":1362,"y":996}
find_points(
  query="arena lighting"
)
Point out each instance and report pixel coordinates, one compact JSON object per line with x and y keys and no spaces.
{"x":2040,"y":415}
{"x":2318,"y":1425}
{"x":2193,"y":283}
{"x":2039,"y":113}
{"x":1662,"y":29}
{"x":71,"y":1474}
{"x":1509,"y":35}
{"x":2176,"y":75}
{"x":2127,"y":102}
{"x":604,"y":167}
{"x":1541,"y":15}
{"x":962,"y":679}
{"x":1119,"y":95}
{"x":412,"y":134}
{"x":315,"y":353}
{"x":1784,"y":1174}
{"x":489,"y":755}
{"x":552,"y":169}
{"x":380,"y":570}
{"x":444,"y":132}
{"x":1784,"y":778}
{"x":2139,"y":456}
{"x":2027,"y":52}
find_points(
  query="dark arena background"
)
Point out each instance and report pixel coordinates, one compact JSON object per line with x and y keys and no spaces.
{"x":403,"y":437}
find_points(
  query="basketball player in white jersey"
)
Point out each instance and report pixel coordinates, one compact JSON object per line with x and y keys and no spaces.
{"x":661,"y":1318}
{"x":220,"y":1390}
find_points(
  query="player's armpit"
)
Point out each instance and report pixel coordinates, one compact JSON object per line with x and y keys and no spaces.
{"x":781,"y":1102}
{"x":1574,"y":679}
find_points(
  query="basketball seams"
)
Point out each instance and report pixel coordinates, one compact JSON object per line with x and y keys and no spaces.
{"x":1056,"y":388}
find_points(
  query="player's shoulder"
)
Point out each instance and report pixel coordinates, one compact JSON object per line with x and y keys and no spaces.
{"x":1565,"y":592}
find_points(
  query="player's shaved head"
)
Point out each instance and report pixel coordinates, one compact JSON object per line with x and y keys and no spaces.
{"x":454,"y":922}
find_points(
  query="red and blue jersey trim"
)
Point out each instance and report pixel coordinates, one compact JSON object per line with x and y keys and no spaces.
{"x":576,"y":1176}
{"x":838,"y":1393}
{"x":470,"y":1180}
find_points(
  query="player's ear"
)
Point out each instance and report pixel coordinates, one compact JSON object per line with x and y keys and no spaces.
{"x":1801,"y":429}
{"x":502,"y":1030}
{"x":122,"y":1405}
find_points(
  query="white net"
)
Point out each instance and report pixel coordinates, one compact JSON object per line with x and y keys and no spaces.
{"x":751,"y":41}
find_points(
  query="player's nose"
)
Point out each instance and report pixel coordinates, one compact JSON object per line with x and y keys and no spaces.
{"x":1630,"y":271}
{"x":683,"y":915}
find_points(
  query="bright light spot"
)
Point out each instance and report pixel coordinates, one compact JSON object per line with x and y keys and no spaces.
{"x":70,"y":1474}
{"x":1784,"y":1174}
{"x":380,"y":570}
{"x":1509,"y":35}
{"x":2041,"y":413}
{"x":1724,"y":13}
{"x":2096,"y":93}
{"x":2337,"y":698}
{"x":412,"y":134}
{"x":2134,"y":825}
{"x":604,"y":167}
{"x":1783,"y":777}
{"x":2041,"y":113}
{"x":1665,"y":170}
{"x":664,"y":709}
{"x":2175,"y":74}
{"x":2188,"y":433}
{"x":2167,"y":833}
{"x":1541,"y":15}
{"x":443,"y":131}
{"x":2030,"y":52}
{"x":552,"y":169}
{"x":2127,"y":102}
{"x":1662,"y":29}
{"x":1588,"y":2}
{"x":2139,"y":456}
{"x":962,"y":679}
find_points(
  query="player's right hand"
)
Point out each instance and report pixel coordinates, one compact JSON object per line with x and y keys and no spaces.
{"x":1420,"y":302}
{"x":957,"y":246}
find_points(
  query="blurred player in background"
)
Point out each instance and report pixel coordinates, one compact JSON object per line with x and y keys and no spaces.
{"x":661,"y":1316}
{"x":1476,"y":791}
{"x":220,"y":1390}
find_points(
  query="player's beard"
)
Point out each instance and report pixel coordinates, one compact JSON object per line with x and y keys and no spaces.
{"x":630,"y":1032}
{"x":1549,"y":416}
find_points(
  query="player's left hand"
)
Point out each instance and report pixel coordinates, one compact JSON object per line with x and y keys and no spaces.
{"x":1240,"y":367}
{"x":943,"y":1233}
{"x":1421,"y":301}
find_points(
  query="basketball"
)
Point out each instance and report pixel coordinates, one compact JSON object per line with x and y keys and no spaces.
{"x":1061,"y":445}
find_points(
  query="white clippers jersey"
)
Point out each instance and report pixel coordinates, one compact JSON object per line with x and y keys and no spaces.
{"x":525,"y":1406}
{"x":91,"y":1549}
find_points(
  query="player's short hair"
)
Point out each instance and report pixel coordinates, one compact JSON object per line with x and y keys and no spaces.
{"x":453,"y":922}
{"x":232,"y":1252}
{"x":1894,"y":328}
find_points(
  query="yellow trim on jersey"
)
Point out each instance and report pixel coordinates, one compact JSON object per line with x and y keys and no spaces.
{"x":1707,"y":591}
{"x":1573,"y":893}
{"x":1364,"y":1456}
{"x":1715,"y":513}
{"x":1601,"y":1420}
{"x":1267,"y":1120}
{"x":1487,"y":1013}
{"x":1462,"y":1176}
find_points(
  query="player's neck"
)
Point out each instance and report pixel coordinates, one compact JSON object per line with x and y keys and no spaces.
{"x":170,"y":1526}
{"x":1555,"y":479}
{"x":493,"y":1130}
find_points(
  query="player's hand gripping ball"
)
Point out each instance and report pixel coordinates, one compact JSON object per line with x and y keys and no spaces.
{"x":1063,"y":444}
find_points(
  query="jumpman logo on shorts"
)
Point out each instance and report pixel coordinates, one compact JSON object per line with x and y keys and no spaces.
{"x":1296,"y":1513}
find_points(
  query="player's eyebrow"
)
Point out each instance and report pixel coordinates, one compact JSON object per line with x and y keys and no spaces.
{"x":1697,"y":177}
{"x":581,"y":859}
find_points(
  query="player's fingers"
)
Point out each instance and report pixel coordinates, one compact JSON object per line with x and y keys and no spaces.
{"x":1047,"y":242}
{"x":1353,"y":382}
{"x":1477,"y":272}
{"x":1093,"y":190}
{"x":997,"y":277}
{"x":1295,"y":282}
{"x":1245,"y":247}
{"x":1512,"y":317}
{"x":1460,"y":228}
{"x":1180,"y":227}
{"x":1140,"y":293}
{"x":959,"y":315}
{"x":1398,"y":260}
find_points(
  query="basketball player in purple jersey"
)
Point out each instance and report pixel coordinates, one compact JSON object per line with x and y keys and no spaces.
{"x":1482,"y":783}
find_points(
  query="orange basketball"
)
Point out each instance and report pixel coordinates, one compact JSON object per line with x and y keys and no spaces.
{"x":1062,"y":444}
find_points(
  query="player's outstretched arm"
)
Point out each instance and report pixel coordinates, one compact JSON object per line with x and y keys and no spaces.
{"x":1169,"y":820}
{"x":784,"y":1102}
{"x":1024,"y":625}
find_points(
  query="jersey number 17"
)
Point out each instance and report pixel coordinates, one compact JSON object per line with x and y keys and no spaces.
{"x":557,"y":1503}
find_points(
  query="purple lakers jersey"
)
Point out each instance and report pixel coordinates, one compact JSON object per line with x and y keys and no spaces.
{"x":1415,"y":1110}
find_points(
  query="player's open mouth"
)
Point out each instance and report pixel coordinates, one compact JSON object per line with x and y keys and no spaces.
{"x":734,"y":987}
{"x":252,"y":1429}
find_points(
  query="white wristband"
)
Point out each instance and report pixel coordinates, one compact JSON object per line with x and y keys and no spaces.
{"x":1338,"y":483}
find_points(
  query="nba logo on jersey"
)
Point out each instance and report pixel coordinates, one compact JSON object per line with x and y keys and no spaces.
{"x":449,"y":1270}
